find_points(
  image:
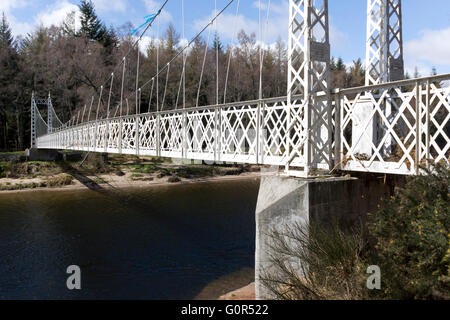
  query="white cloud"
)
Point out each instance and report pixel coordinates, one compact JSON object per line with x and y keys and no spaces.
{"x":17,"y":27}
{"x":153,"y":6}
{"x":431,"y":48}
{"x":7,"y":5}
{"x":338,"y":39}
{"x":275,"y":24}
{"x":57,"y":15}
{"x":110,"y":5}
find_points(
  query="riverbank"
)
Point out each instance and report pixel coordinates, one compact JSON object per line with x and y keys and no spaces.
{"x":96,"y":172}
{"x":238,"y":285}
{"x":245,"y":293}
{"x":123,"y":183}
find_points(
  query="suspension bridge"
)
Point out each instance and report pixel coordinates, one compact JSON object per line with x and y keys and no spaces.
{"x":390,"y":125}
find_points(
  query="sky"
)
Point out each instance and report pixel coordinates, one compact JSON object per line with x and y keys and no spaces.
{"x":426,"y":24}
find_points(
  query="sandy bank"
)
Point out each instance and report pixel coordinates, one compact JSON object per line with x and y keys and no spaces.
{"x":245,"y":293}
{"x":110,"y":181}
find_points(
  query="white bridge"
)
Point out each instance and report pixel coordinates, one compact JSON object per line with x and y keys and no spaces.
{"x":388,"y":126}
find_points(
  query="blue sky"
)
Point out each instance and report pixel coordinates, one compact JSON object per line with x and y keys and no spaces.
{"x":426,"y":23}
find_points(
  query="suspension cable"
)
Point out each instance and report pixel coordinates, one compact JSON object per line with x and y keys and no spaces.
{"x":99,"y":101}
{"x":151,"y":95}
{"x":203,"y":67}
{"x":132,"y":47}
{"x":182,"y":78}
{"x":190,"y":42}
{"x":123,"y":79}
{"x":157,"y":68}
{"x":137,"y":76}
{"x":84,"y":111}
{"x":109,"y":96}
{"x":90,"y":108}
{"x":165,"y":87}
{"x":217,"y":55}
{"x":231,"y":53}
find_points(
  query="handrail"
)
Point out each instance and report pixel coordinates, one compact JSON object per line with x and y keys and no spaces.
{"x":400,"y":83}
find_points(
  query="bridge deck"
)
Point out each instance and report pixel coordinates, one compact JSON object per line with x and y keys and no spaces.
{"x":390,"y":128}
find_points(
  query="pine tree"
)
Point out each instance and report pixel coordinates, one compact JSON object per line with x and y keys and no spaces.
{"x":416,"y":73}
{"x":217,"y":44}
{"x":172,"y":39}
{"x":340,"y":65}
{"x":91,"y":25}
{"x":6,"y":38}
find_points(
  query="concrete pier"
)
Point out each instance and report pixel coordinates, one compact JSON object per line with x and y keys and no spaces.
{"x":34,"y":154}
{"x":286,"y":201}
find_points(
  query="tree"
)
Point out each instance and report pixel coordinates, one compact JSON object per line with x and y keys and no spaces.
{"x":416,"y":73}
{"x":6,"y":38}
{"x":217,"y":44}
{"x":10,"y":89}
{"x":91,"y":25}
{"x":357,"y":74}
{"x":412,"y":231}
{"x":340,"y":66}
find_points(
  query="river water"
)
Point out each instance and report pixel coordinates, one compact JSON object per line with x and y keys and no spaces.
{"x":165,"y":242}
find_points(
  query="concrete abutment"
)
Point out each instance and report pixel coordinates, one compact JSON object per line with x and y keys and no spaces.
{"x":285,"y":202}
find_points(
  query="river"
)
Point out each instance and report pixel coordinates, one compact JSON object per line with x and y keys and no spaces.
{"x":164,"y":242}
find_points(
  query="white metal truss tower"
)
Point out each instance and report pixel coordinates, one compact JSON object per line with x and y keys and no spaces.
{"x":308,"y":138}
{"x":384,"y":47}
{"x":49,"y":114}
{"x":33,"y":122}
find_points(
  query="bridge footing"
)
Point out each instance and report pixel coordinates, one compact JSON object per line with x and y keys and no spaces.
{"x":286,"y":201}
{"x":35,"y":154}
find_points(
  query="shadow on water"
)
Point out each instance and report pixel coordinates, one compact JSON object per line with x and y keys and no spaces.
{"x":165,"y":242}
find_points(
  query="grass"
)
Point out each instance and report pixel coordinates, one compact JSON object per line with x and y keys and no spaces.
{"x":142,"y":169}
{"x":174,"y":179}
{"x":100,"y":180}
{"x":13,"y":153}
{"x":52,"y":182}
{"x":59,"y":181}
{"x":145,"y":168}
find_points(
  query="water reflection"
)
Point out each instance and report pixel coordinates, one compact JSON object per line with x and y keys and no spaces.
{"x":164,"y":242}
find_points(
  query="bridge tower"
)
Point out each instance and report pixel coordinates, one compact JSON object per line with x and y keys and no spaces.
{"x":308,"y":138}
{"x":384,"y":47}
{"x":33,"y":121}
{"x":49,"y":114}
{"x":384,"y":63}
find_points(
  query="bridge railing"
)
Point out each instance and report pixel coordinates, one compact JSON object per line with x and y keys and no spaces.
{"x":389,"y":128}
{"x":395,"y":127}
{"x":245,"y":132}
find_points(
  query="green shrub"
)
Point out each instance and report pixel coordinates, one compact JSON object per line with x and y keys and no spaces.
{"x":145,"y":168}
{"x":59,"y":181}
{"x":174,"y":179}
{"x":100,"y":180}
{"x":195,"y":172}
{"x":412,"y":230}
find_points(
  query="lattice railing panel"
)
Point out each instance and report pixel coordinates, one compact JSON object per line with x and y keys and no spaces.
{"x":274,"y":132}
{"x":436,"y":122}
{"x":148,"y":141}
{"x":171,"y":130}
{"x":404,"y":126}
{"x":113,"y":135}
{"x":238,"y":137}
{"x":128,"y":135}
{"x":200,"y":133}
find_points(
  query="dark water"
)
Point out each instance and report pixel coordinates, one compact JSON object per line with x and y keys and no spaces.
{"x":155,"y":243}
